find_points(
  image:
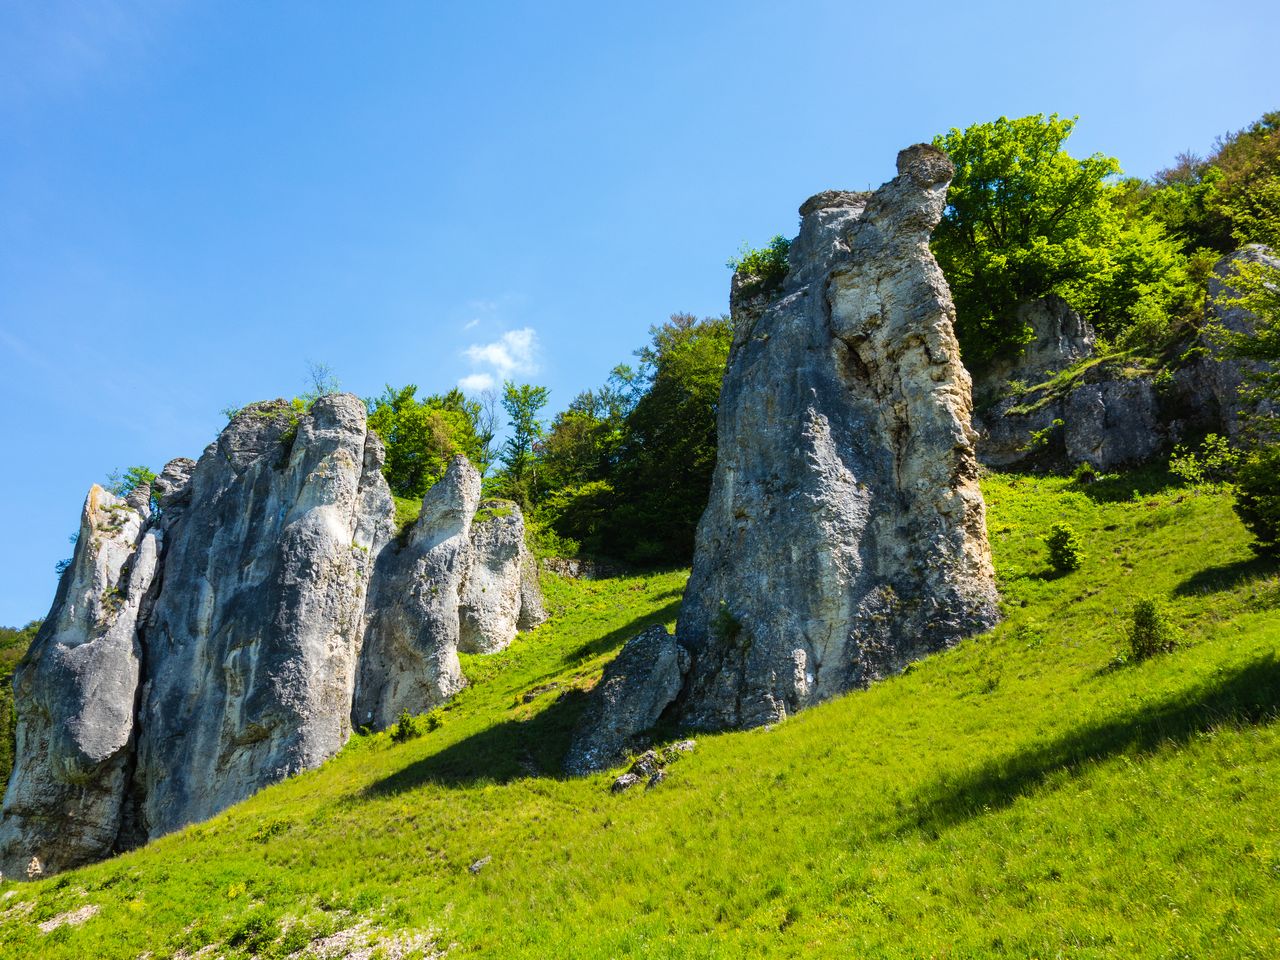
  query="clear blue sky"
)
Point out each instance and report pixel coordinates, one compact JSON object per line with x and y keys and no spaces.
{"x":197,"y":198}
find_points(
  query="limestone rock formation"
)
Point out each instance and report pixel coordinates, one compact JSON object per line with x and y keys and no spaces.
{"x":76,"y":694}
{"x":1112,"y":416}
{"x":637,"y":686}
{"x":1224,"y":377}
{"x":195,"y":655}
{"x":1060,"y":337}
{"x":845,"y":534}
{"x":262,"y":600}
{"x":410,"y":657}
{"x":500,"y":595}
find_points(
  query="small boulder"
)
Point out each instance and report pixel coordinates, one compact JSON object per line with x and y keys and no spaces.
{"x":640,"y":683}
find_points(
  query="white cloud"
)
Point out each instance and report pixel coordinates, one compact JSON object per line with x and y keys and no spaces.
{"x":514,"y":352}
{"x":476,"y":382}
{"x":471,"y":323}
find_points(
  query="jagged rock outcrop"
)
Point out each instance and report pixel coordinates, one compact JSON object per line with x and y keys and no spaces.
{"x":262,"y":600}
{"x":637,"y":686}
{"x":1060,"y":337}
{"x":500,"y":595}
{"x":1111,"y":415}
{"x":1215,"y":376}
{"x":845,"y":533}
{"x":76,"y":693}
{"x":410,"y":658}
{"x":194,"y":656}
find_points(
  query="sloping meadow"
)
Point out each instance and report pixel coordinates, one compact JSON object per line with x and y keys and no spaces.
{"x":1025,"y":794}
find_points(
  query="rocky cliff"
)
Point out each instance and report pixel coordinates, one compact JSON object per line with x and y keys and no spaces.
{"x":845,"y":533}
{"x":200,"y":652}
{"x":1060,"y":406}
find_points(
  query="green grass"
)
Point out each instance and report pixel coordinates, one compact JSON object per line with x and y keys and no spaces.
{"x":1019,"y":796}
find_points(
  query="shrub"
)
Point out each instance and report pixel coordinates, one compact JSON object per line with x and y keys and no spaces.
{"x":406,"y":728}
{"x":1215,"y":462}
{"x":1258,"y":497}
{"x":1084,"y":473}
{"x":1149,"y":631}
{"x":1065,"y":550}
{"x":767,"y":267}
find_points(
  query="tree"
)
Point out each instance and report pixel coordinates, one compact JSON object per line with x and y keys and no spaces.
{"x":1024,"y":219}
{"x":519,"y":478}
{"x":421,"y":436}
{"x":667,"y":454}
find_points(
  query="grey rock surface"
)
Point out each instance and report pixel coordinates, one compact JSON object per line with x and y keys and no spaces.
{"x":195,"y":656}
{"x":845,"y":533}
{"x":1112,"y":423}
{"x":1113,"y":417}
{"x":252,"y":645}
{"x":410,"y":656}
{"x":500,"y":594}
{"x":75,"y":694}
{"x":1222,"y":376}
{"x":636,"y":689}
{"x":1060,"y":335}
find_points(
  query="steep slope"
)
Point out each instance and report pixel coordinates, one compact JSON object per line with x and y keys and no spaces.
{"x":1016,"y":796}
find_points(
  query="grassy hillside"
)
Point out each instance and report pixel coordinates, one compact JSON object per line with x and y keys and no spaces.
{"x":1020,"y":796}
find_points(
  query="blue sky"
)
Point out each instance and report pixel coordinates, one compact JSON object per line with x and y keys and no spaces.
{"x":198,"y":198}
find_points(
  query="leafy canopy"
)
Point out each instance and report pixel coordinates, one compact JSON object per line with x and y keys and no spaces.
{"x":421,"y":436}
{"x":1025,"y":219}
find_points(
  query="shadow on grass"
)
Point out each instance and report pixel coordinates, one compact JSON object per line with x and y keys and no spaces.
{"x":1119,"y":488}
{"x":1226,"y":576}
{"x":516,"y":748}
{"x":1251,"y":695}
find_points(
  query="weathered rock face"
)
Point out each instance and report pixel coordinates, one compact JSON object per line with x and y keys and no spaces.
{"x":637,"y":686}
{"x":1224,"y":377}
{"x":76,"y":695}
{"x":263,"y":600}
{"x":410,"y":658}
{"x":845,"y":534}
{"x":1110,"y":416}
{"x":1061,"y":337}
{"x":500,"y":595}
{"x":193,"y":657}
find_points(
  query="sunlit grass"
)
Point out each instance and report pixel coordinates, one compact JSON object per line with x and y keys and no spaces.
{"x":1018,"y":796}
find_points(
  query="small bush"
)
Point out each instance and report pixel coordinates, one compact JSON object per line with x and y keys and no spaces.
{"x":406,"y":728}
{"x":1149,"y":631}
{"x":1258,"y":497}
{"x":1084,"y":474}
{"x":1065,"y":550}
{"x":766,"y":267}
{"x":725,"y":627}
{"x":1215,"y":462}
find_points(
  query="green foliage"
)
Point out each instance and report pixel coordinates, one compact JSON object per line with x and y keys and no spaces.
{"x":422,"y":436}
{"x":14,"y":642}
{"x":1024,"y":220}
{"x":1066,"y":552}
{"x":1214,"y":462}
{"x":725,"y":627}
{"x":1149,"y":631}
{"x":1084,"y":474}
{"x":407,"y":512}
{"x":664,"y":464}
{"x":321,"y":381}
{"x":1258,"y":496}
{"x":935,"y":799}
{"x":1040,"y":439}
{"x":518,"y":478}
{"x":405,"y":728}
{"x":762,"y":270}
{"x":123,"y":484}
